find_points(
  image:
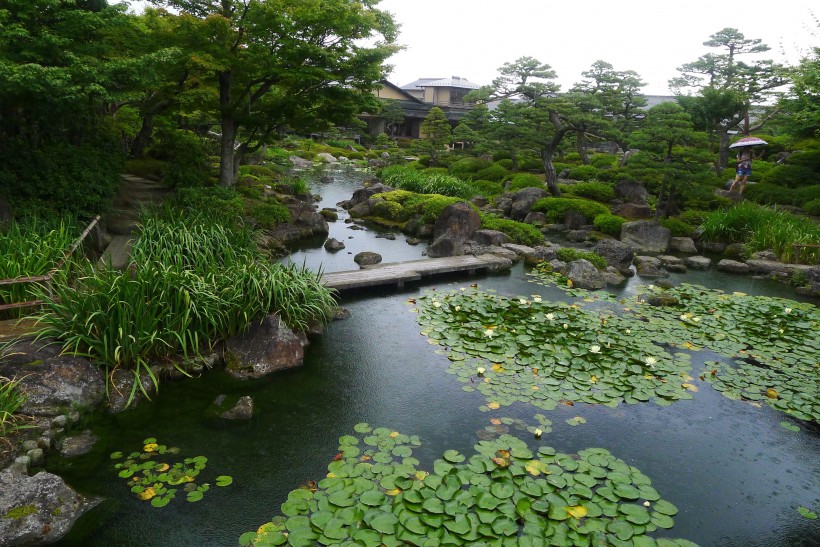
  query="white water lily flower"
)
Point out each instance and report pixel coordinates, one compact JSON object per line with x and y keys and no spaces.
{"x":488,"y":333}
{"x":628,"y":331}
{"x":787,"y":310}
{"x":696,"y":319}
{"x":458,"y":308}
{"x":650,"y":361}
{"x":536,"y":298}
{"x":646,"y":504}
{"x":651,"y":287}
{"x":523,"y":300}
{"x":595,"y":349}
{"x":566,"y":326}
{"x":538,"y":432}
{"x":436,"y":304}
{"x":550,"y":316}
{"x":480,"y":370}
{"x":781,"y":331}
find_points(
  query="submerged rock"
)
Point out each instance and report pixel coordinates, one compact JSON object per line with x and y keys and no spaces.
{"x":37,"y":510}
{"x":77,"y":444}
{"x":733,"y":266}
{"x":367,"y":258}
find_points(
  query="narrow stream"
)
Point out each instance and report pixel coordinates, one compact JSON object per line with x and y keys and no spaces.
{"x":735,"y":473}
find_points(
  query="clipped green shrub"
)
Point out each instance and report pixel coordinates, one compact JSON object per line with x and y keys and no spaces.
{"x":389,"y":210}
{"x":584,"y":172}
{"x":769,"y":194}
{"x":609,"y":224}
{"x":805,"y":194}
{"x":805,"y":158}
{"x":251,"y":192}
{"x":678,"y":227}
{"x":572,"y":158}
{"x":261,"y":172}
{"x":186,"y":159}
{"x":812,"y":207}
{"x":523,"y":234}
{"x":531,"y":165}
{"x":494,"y":172}
{"x":568,"y":254}
{"x":556,"y":208}
{"x":506,"y":164}
{"x":791,"y":176}
{"x":488,"y":188}
{"x":465,"y":168}
{"x":525,"y":180}
{"x":597,"y":191}
{"x":269,"y":214}
{"x":604,"y":161}
{"x":694,"y":217}
{"x":211,"y":201}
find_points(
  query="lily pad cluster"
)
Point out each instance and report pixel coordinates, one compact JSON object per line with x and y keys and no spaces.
{"x":543,"y":353}
{"x":774,"y":343}
{"x":504,"y":494}
{"x":544,"y":275}
{"x":156,"y":481}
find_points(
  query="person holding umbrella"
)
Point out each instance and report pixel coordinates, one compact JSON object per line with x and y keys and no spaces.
{"x":744,"y":160}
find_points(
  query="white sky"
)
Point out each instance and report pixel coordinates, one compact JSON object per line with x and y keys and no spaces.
{"x":473,"y":38}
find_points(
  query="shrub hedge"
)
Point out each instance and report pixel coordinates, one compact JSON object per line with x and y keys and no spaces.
{"x":555,"y":208}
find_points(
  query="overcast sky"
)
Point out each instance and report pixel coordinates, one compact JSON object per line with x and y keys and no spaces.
{"x":472,"y":39}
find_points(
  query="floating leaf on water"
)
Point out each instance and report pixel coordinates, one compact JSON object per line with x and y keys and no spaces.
{"x":807,"y":513}
{"x":789,"y":426}
{"x":577,"y":511}
{"x":223,"y":480}
{"x":116,"y":455}
{"x":771,"y":393}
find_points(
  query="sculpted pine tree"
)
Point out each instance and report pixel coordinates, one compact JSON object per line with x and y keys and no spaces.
{"x":726,"y":88}
{"x":436,"y":133}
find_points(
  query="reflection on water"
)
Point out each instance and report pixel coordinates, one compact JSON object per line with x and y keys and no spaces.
{"x":735,"y":473}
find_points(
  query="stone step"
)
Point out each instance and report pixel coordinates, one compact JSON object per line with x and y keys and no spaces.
{"x":118,"y":252}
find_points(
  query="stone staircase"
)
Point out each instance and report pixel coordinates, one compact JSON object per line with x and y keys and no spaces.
{"x":122,"y":221}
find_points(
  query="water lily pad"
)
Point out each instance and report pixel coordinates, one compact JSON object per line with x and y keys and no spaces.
{"x":453,"y":456}
{"x":223,"y":480}
{"x":807,"y":513}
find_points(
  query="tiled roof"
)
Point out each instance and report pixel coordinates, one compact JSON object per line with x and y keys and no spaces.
{"x":454,"y":81}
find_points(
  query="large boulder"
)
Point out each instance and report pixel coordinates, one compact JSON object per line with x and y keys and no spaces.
{"x":333,"y":245}
{"x":264,"y":347}
{"x":733,"y":266}
{"x":649,"y":266}
{"x":631,"y":191}
{"x":300,"y":163}
{"x":456,"y":224}
{"x":363,"y":194}
{"x":56,"y":384}
{"x":76,"y":445}
{"x":37,"y":510}
{"x":683,"y":245}
{"x":617,"y":254}
{"x":541,"y":254}
{"x":326,"y":157}
{"x":523,"y":200}
{"x":698,"y":262}
{"x":490,"y":237}
{"x":634,"y":210}
{"x":585,"y":275}
{"x":646,"y":236}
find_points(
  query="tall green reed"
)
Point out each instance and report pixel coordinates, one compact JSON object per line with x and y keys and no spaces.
{"x":11,"y":399}
{"x":28,"y":248}
{"x":760,"y":228}
{"x":194,"y":283}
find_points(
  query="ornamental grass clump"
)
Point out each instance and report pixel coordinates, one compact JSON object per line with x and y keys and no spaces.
{"x":405,"y":178}
{"x":193,"y":284}
{"x":32,"y":247}
{"x":11,"y":399}
{"x":760,"y":228}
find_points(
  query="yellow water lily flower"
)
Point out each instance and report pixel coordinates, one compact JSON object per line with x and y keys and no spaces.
{"x":493,"y":405}
{"x":538,"y":432}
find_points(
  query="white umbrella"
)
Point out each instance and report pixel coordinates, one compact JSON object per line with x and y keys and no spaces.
{"x":748,"y":141}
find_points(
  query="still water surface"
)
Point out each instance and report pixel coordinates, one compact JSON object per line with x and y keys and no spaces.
{"x":736,"y":475}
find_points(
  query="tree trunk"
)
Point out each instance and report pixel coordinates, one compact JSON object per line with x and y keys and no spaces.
{"x":227,"y":156}
{"x":580,"y":146}
{"x":723,"y":150}
{"x":550,"y":176}
{"x":143,"y":137}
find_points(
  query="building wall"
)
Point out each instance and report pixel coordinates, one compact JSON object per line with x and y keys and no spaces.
{"x":389,"y":93}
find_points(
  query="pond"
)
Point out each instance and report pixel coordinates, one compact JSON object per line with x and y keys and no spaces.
{"x":734,"y":472}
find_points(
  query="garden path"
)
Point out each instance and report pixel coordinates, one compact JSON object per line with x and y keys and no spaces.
{"x":134,"y":194}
